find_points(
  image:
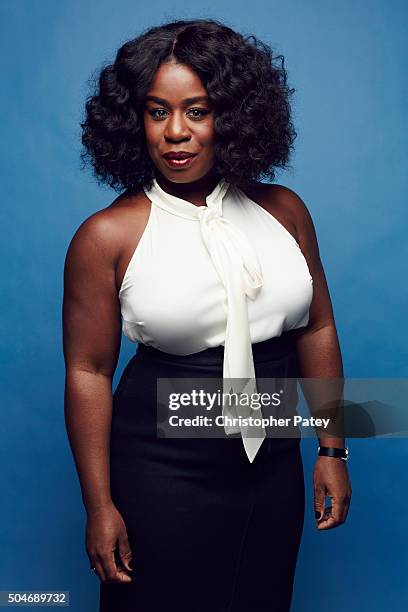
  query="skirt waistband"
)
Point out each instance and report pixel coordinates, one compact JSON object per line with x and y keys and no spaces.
{"x":267,"y":350}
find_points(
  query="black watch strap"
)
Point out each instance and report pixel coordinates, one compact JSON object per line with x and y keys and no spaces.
{"x":327,"y":451}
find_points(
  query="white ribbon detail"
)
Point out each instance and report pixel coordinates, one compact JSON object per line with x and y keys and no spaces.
{"x":239,"y":270}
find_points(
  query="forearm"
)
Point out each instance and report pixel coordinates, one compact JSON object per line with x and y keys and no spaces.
{"x":88,"y":415}
{"x":320,"y":358}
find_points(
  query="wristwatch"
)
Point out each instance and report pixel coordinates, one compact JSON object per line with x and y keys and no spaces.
{"x":340,"y":453}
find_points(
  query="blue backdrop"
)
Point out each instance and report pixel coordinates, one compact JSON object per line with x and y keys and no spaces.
{"x":348,"y":63}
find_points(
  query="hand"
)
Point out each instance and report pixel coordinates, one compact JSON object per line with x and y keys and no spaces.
{"x":105,"y":529}
{"x":330,"y":477}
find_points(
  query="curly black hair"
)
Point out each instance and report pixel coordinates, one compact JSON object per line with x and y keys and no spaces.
{"x":246,"y":84}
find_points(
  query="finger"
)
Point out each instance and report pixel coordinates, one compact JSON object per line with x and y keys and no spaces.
{"x":121,"y":573}
{"x":340,"y":508}
{"x":99,"y":570}
{"x":125,"y":553}
{"x":325,"y":524}
{"x":328,"y":521}
{"x":345,"y":509}
{"x":123,"y":576}
{"x":337,"y":509}
{"x":112,"y":573}
{"x":319,"y":501}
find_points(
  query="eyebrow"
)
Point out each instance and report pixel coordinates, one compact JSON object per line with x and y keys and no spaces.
{"x":185,"y":101}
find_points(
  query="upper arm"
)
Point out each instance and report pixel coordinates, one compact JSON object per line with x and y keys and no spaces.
{"x":91,"y":308}
{"x":321,"y":310}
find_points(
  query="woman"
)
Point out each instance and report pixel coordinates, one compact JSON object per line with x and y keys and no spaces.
{"x":213,"y":274}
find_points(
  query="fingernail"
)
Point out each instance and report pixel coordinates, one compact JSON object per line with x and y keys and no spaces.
{"x":317,"y":514}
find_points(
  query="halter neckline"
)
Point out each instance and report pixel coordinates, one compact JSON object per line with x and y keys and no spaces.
{"x":184,"y":208}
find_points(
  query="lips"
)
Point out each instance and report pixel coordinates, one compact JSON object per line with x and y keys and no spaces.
{"x":179,"y":155}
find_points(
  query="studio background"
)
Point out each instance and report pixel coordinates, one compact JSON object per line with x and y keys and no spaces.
{"x":348,"y":64}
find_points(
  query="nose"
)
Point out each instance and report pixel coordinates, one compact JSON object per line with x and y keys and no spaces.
{"x":176,"y":128}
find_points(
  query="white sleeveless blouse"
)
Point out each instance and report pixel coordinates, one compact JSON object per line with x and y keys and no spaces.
{"x":227,"y":273}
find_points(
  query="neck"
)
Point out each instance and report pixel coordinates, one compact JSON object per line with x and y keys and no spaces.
{"x":194,"y":192}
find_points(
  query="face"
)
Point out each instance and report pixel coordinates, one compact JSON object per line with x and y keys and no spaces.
{"x":178,"y":118}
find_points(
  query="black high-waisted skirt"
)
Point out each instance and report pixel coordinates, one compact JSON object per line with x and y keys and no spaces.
{"x":209,"y":531}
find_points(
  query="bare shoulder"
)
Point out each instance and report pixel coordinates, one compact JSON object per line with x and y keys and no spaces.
{"x":281,"y":202}
{"x":286,"y":205}
{"x":110,"y":230}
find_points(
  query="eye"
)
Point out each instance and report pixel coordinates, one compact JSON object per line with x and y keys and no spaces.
{"x":194,"y":113}
{"x":201,"y":112}
{"x":152,"y":112}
